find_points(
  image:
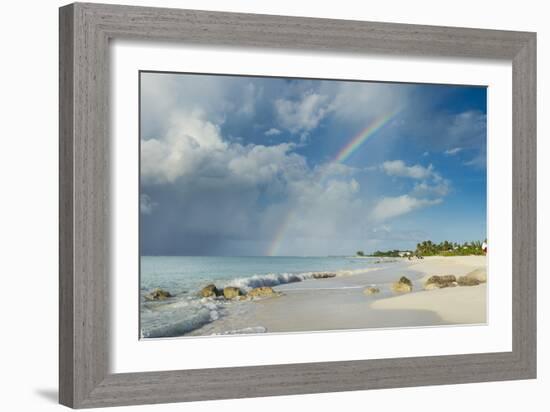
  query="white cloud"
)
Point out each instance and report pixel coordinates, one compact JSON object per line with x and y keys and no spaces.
{"x":304,"y":114}
{"x":438,"y":189}
{"x":161,"y":94}
{"x":400,"y":169}
{"x":189,"y":138}
{"x":453,"y":151}
{"x":263,"y":164}
{"x":194,"y":147}
{"x":390,"y":207}
{"x":272,"y":132}
{"x":430,"y":189}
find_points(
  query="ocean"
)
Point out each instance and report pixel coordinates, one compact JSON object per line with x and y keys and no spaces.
{"x":185,"y":276}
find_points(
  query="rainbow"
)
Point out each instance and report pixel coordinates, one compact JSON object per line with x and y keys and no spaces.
{"x":280,"y":234}
{"x":357,"y":141}
{"x":343,"y":154}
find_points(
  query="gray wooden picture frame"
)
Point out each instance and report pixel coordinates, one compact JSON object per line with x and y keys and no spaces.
{"x":85,"y":32}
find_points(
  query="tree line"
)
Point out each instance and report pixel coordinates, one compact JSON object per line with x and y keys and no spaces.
{"x":429,"y":248}
{"x":446,"y":248}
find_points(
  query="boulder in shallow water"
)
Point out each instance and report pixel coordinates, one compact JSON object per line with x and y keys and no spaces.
{"x":468,"y":281}
{"x":158,"y":294}
{"x":324,"y":275}
{"x":371,"y":290}
{"x":438,"y":282}
{"x":263,"y":291}
{"x":231,"y":292}
{"x":403,"y":285}
{"x":209,"y":291}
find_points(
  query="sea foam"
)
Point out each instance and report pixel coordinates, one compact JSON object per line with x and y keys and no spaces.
{"x":274,"y":279}
{"x":179,"y":318}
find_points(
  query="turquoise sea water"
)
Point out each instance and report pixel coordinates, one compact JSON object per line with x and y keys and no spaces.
{"x":184,"y":276}
{"x":188,"y":274}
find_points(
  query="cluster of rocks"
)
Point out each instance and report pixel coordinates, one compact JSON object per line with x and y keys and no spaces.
{"x":158,"y":294}
{"x":473,"y":278}
{"x":232,"y":292}
{"x":404,"y":284}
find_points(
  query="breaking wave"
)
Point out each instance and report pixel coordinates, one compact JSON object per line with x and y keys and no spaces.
{"x":274,"y":279}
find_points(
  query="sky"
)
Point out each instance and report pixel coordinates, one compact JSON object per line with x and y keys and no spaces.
{"x":254,"y":166}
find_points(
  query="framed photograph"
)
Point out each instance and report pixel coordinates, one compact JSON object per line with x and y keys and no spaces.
{"x":256,"y":205}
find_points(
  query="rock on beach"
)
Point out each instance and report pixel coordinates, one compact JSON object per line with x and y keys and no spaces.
{"x":209,"y":291}
{"x":263,"y":291}
{"x":404,"y":285}
{"x":231,"y":292}
{"x":438,"y":282}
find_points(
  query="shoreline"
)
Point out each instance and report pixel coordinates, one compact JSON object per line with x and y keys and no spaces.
{"x":341,"y":304}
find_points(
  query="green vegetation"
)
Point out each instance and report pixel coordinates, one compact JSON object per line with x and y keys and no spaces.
{"x":428,"y":248}
{"x":446,"y":248}
{"x":360,"y":253}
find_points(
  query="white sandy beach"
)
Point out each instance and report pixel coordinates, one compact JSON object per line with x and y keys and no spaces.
{"x":340,"y":303}
{"x":456,"y":305}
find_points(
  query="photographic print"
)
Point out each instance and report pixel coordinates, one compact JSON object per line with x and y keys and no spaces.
{"x":279,"y":205}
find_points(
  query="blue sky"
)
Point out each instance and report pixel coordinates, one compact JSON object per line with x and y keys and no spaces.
{"x":236,"y":165}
